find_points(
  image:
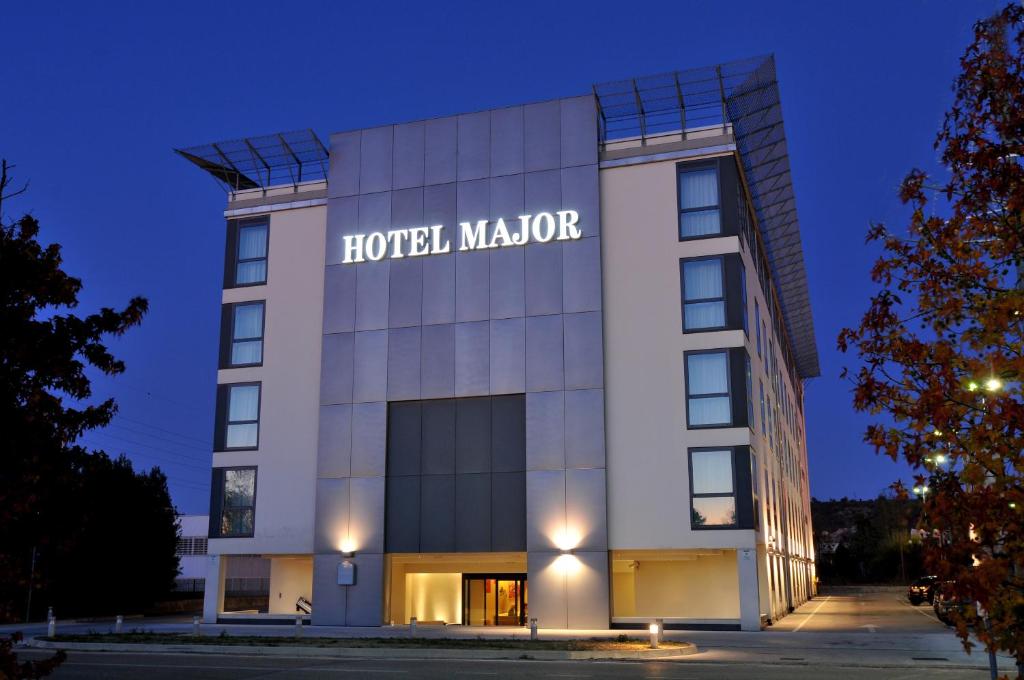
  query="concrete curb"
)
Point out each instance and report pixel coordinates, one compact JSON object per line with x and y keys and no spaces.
{"x":370,"y":652}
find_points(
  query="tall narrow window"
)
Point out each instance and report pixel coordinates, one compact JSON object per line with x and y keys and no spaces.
{"x":713,"y":495}
{"x":698,"y":202}
{"x":251,"y":260}
{"x":243,"y":417}
{"x":707,"y":389}
{"x":703,"y":294}
{"x":247,"y":334}
{"x":764,"y":420}
{"x":743,"y":298}
{"x":750,"y":392}
{"x":757,"y":325}
{"x":234,"y":495}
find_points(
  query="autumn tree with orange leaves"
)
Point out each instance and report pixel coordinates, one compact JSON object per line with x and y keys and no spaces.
{"x":941,"y":346}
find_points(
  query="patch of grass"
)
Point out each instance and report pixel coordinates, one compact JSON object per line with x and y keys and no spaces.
{"x":621,"y":643}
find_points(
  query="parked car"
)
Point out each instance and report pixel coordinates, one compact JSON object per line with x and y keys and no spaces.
{"x":922,"y":590}
{"x":946,"y":602}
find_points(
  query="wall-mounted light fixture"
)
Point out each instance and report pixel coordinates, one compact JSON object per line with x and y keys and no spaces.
{"x":347,"y":547}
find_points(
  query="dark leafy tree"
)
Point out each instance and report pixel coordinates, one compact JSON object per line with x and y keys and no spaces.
{"x":942,"y":342}
{"x":85,"y":533}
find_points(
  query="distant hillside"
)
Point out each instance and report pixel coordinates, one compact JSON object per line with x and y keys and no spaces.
{"x":866,"y":541}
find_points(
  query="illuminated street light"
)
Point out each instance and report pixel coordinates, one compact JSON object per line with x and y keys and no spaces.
{"x":993,"y":384}
{"x":940,"y":459}
{"x":972,"y":386}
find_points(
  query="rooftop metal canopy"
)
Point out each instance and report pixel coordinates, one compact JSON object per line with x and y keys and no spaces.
{"x":743,"y":95}
{"x":262,"y":162}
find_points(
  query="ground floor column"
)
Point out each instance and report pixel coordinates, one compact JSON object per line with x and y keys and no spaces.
{"x":750,"y":602}
{"x":213,"y":588}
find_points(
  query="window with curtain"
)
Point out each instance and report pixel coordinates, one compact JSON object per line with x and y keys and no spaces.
{"x":251,"y":258}
{"x":698,"y":202}
{"x":247,"y":334}
{"x":243,"y":421}
{"x":707,"y":389}
{"x":703,"y":294}
{"x":238,"y":502}
{"x":713,"y":492}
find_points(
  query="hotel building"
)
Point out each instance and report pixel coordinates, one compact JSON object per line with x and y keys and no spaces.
{"x":542,"y":361}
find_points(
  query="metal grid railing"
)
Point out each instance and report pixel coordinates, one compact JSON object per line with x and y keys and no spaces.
{"x":744,"y":96}
{"x":261,"y":162}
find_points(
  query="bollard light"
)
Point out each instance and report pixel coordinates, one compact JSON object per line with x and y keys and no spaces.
{"x":654,"y":628}
{"x":195,"y":626}
{"x":51,"y":627}
{"x":119,"y":624}
{"x":298,"y":626}
{"x":660,"y":623}
{"x":412,"y":626}
{"x":533,"y":629}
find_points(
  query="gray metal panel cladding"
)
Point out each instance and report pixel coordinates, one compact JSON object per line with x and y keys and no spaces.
{"x":469,"y":353}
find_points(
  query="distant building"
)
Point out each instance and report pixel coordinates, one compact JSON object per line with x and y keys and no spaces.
{"x":543,"y":361}
{"x":192,"y":548}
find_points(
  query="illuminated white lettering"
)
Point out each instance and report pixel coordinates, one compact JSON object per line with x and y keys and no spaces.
{"x":501,"y":232}
{"x":474,"y":237}
{"x":524,"y":230}
{"x":418,"y":241}
{"x":353,"y":248}
{"x":567,"y":229}
{"x":395,"y":237}
{"x":435,"y":241}
{"x":376,"y":246}
{"x":542,"y":233}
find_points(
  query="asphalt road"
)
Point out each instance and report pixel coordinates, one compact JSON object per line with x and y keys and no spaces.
{"x":857,"y":633}
{"x":95,"y":666}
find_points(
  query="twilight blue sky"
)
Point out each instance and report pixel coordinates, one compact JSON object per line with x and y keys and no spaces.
{"x":93,"y":97}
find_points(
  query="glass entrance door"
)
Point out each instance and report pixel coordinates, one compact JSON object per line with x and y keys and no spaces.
{"x":494,"y":599}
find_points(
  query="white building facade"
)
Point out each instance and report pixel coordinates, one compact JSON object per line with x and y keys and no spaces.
{"x":545,"y":361}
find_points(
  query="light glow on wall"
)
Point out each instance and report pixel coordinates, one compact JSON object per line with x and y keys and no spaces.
{"x":567,"y":564}
{"x":567,"y":538}
{"x":347,"y":546}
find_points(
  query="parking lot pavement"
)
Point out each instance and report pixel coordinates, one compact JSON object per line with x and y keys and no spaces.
{"x":861,"y":610}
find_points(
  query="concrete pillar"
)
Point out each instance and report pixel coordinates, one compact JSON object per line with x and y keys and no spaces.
{"x":750,"y":607}
{"x":213,"y":595}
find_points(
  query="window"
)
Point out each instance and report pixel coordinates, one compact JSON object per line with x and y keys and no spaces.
{"x":243,"y":416}
{"x":703,"y":294}
{"x":743,"y":298}
{"x":235,"y":501}
{"x":247,"y":334}
{"x":712,"y":492}
{"x":191,"y":545}
{"x":750,"y":392}
{"x":764,"y":420}
{"x":757,"y":325}
{"x":251,"y":256}
{"x":698,"y":202}
{"x":707,"y":389}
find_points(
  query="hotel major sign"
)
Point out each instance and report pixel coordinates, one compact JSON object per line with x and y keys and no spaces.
{"x":434,"y":240}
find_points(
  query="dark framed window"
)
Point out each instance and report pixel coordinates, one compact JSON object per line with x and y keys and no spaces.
{"x":242,"y":329}
{"x":238,"y":417}
{"x":703,"y":282}
{"x":757,"y":325}
{"x":247,"y":248}
{"x":743,"y":298}
{"x":233,"y":502}
{"x":699,"y":213}
{"x":708,"y":400}
{"x":764,"y":419}
{"x":750,"y":391}
{"x":712,"y":489}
